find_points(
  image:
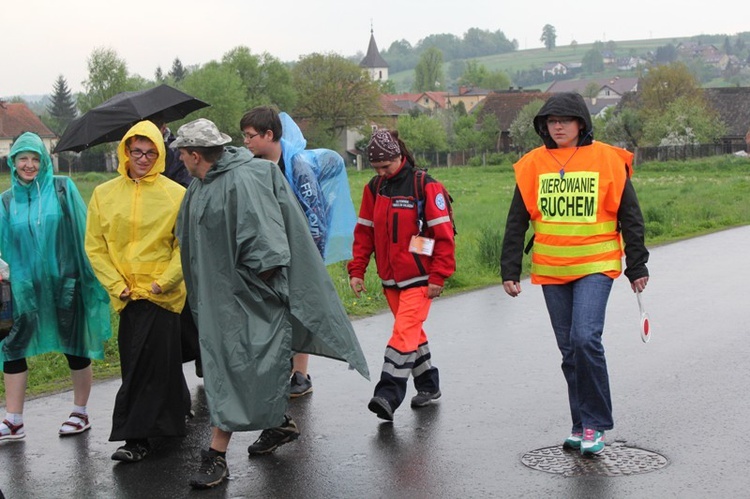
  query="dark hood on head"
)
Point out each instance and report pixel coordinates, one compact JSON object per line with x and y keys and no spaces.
{"x":564,"y":104}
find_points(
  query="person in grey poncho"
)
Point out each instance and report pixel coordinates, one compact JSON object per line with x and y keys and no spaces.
{"x":257,"y":288}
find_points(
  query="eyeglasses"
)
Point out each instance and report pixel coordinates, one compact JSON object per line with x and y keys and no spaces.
{"x":138,"y":154}
{"x":250,"y":136}
{"x":560,"y":121}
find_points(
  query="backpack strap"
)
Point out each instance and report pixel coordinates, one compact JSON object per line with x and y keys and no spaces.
{"x":374,"y":185}
{"x":60,"y":184}
{"x":419,"y":181}
{"x":6,"y":200}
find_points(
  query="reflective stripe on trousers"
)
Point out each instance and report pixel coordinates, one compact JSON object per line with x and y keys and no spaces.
{"x":408,"y":351}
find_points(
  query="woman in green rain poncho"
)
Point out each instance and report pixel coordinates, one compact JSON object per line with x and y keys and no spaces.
{"x":58,"y":304}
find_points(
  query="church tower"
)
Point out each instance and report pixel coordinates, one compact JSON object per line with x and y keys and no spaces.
{"x":373,"y":62}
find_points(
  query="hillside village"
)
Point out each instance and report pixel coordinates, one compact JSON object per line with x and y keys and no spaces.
{"x":731,"y":103}
{"x":600,"y":93}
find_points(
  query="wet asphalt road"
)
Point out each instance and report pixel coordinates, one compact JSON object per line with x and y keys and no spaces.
{"x":684,"y":395}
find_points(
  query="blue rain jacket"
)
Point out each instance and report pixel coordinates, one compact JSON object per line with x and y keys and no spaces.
{"x":319,"y":182}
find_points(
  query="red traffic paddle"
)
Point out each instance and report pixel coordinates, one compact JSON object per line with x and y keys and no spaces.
{"x":645,"y":322}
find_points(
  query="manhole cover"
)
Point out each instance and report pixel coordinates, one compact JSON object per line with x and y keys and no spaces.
{"x":616,"y":460}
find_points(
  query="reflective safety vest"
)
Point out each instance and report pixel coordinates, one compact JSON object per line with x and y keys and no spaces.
{"x":573,"y":196}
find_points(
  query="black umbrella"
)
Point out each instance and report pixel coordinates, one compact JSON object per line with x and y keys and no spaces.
{"x":110,"y":120}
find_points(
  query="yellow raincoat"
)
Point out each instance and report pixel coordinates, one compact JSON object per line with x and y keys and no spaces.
{"x":130,"y":236}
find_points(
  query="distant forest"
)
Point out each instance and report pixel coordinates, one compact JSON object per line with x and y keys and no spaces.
{"x":401,"y":55}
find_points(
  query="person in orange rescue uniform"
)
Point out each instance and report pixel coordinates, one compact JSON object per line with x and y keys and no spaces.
{"x":411,"y":235}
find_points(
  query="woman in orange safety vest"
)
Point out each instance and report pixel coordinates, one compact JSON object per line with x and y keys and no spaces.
{"x":577,"y":195}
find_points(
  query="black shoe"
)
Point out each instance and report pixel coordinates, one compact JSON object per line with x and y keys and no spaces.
{"x":422,"y":399}
{"x":212,"y":472}
{"x":271,"y":438}
{"x":300,"y":385}
{"x":381,"y":408}
{"x":132,"y":452}
{"x":198,"y":368}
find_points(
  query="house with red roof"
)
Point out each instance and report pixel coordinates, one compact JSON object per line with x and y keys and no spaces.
{"x":15,"y":119}
{"x":469,"y":96}
{"x":391,"y":107}
{"x":425,"y":101}
{"x":608,"y":88}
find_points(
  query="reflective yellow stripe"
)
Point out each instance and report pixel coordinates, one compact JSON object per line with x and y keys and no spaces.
{"x":574,"y":229}
{"x":575,"y":251}
{"x":573,"y":270}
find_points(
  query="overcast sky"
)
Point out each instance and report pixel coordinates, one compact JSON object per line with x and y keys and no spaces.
{"x":45,"y":38}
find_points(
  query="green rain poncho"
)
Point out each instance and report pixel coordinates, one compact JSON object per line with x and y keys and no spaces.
{"x":58,"y":304}
{"x":241,"y":221}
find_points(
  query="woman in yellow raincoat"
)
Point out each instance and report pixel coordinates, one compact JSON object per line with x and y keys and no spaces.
{"x":132,"y":247}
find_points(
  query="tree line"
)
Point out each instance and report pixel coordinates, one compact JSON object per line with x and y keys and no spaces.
{"x":402,"y":56}
{"x":331,"y":92}
{"x":327,"y":89}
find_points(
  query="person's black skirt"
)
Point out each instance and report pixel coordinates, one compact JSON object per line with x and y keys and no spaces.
{"x":153,"y":399}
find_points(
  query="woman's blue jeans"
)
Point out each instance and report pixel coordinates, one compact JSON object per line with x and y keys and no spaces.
{"x":577,"y":310}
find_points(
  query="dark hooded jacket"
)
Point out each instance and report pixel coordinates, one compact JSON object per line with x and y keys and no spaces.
{"x":565,"y":104}
{"x":630,"y":218}
{"x":174,"y":167}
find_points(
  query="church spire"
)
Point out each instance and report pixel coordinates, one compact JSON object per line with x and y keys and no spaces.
{"x":373,"y":59}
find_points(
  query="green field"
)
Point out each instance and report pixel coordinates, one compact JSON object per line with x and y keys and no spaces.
{"x":678,"y":199}
{"x":536,"y":58}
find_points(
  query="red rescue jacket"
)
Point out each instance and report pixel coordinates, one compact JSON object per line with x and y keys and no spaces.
{"x":388,"y":219}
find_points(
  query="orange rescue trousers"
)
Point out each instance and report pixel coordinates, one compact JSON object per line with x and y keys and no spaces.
{"x":408,"y":352}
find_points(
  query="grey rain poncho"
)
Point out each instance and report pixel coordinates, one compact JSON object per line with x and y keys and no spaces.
{"x":240,"y":221}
